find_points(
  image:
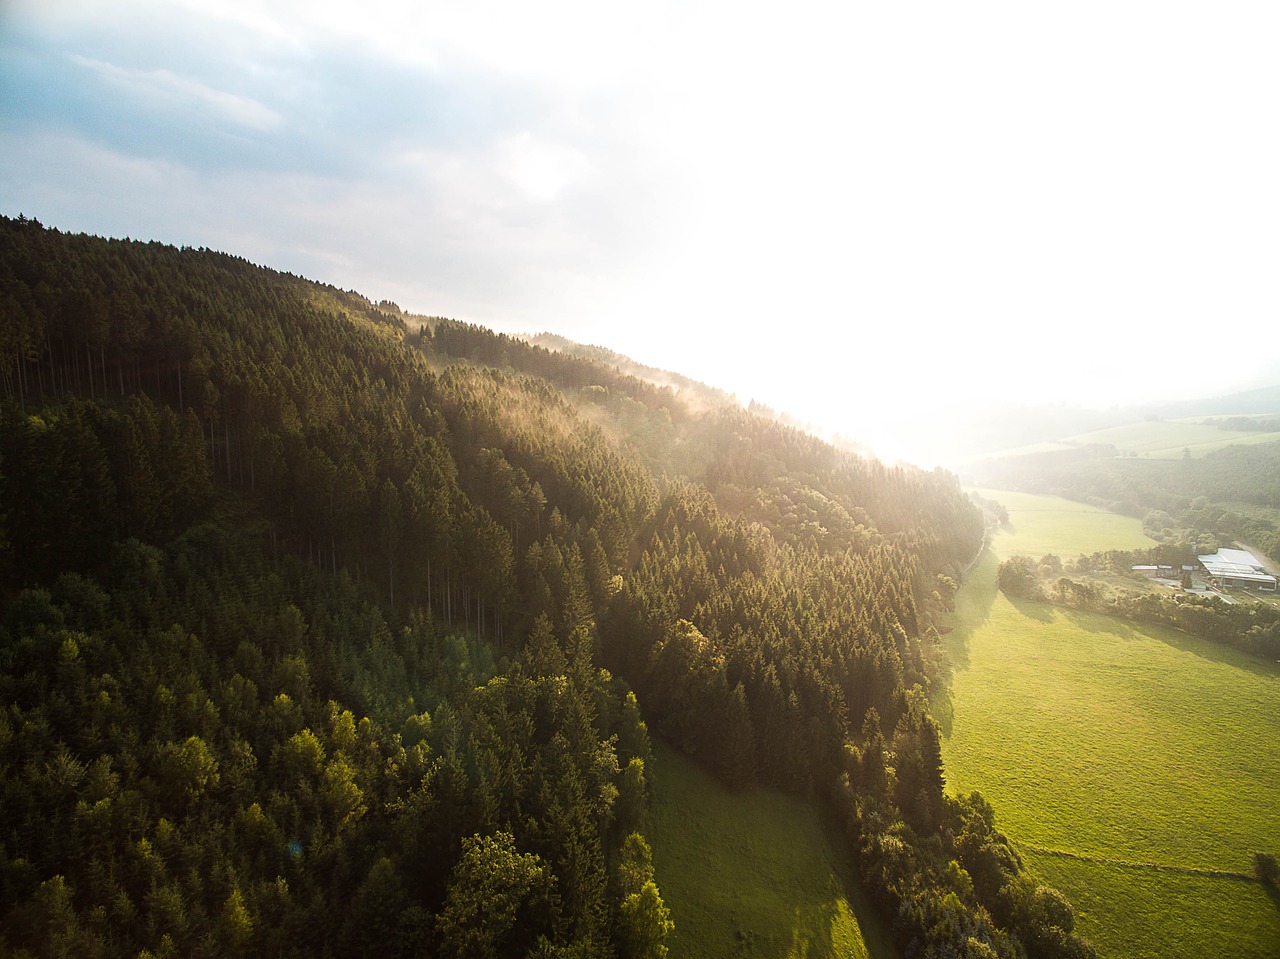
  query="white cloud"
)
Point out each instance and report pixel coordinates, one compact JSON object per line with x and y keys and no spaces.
{"x":168,"y":90}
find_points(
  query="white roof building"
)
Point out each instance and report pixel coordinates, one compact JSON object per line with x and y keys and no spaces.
{"x":1240,"y":557}
{"x":1237,"y":567}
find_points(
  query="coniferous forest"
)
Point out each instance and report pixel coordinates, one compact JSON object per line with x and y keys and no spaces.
{"x":330,"y":631}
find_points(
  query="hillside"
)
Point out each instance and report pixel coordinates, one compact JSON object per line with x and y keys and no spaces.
{"x":326,"y":632}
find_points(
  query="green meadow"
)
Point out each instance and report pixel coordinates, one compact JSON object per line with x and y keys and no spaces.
{"x":1168,"y":439}
{"x":1137,"y":769}
{"x":1050,"y":524}
{"x":753,"y":872}
{"x":1154,"y":439}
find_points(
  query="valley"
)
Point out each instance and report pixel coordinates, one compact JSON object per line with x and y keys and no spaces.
{"x":1134,"y":767}
{"x":599,"y":481}
{"x":325,"y":624}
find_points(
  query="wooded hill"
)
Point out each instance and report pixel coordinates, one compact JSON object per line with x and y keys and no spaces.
{"x":328,"y":631}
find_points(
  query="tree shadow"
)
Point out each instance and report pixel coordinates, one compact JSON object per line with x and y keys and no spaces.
{"x":1212,"y":652}
{"x":1090,"y":622}
{"x":1099,"y":623}
{"x":755,"y":872}
{"x":978,"y":592}
{"x":956,"y":645}
{"x":942,"y":707}
{"x":812,"y":931}
{"x":1032,"y":608}
{"x":876,"y":933}
{"x":973,"y":608}
{"x":1273,"y":893}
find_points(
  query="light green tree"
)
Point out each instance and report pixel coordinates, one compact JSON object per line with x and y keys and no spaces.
{"x":644,"y":921}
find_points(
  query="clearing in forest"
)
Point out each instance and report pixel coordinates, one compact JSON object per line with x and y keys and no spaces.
{"x":753,"y":872}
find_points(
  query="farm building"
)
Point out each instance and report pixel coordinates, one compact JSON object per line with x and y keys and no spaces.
{"x":1156,"y":572}
{"x":1228,"y":568}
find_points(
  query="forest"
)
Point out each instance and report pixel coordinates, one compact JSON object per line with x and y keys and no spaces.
{"x":331,"y":631}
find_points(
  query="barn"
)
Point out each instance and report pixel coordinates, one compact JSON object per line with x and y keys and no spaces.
{"x":1237,"y":569}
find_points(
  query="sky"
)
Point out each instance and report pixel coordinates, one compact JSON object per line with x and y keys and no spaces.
{"x":870,"y":216}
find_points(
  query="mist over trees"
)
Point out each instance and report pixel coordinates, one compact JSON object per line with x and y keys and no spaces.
{"x":331,"y":631}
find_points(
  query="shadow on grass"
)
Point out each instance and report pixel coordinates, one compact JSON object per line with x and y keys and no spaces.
{"x":973,"y":608}
{"x":1032,"y":608}
{"x":876,"y":933}
{"x":811,"y":931}
{"x":942,"y":707}
{"x":974,"y":602}
{"x":957,"y":646}
{"x":1089,"y":622}
{"x":1213,"y":652}
{"x":1273,"y":894}
{"x":754,"y":872}
{"x":1099,"y":622}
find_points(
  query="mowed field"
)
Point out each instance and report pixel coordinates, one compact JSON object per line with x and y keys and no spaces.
{"x":1156,"y":439}
{"x":1137,"y":769}
{"x":1049,"y":524}
{"x":753,"y":872}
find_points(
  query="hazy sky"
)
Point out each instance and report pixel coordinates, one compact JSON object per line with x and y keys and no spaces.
{"x":856,"y":212}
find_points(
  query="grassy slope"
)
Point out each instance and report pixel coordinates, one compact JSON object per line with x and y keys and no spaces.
{"x":753,"y":873}
{"x":1109,"y":750}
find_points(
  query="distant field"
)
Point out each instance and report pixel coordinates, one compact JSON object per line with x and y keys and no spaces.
{"x":1153,"y":439}
{"x":1167,"y":439}
{"x":1050,"y":524}
{"x":753,"y":873}
{"x":1137,"y":769}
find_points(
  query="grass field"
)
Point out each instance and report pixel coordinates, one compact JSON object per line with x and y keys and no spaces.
{"x":753,"y":872}
{"x":1167,"y":439}
{"x":1142,"y":912}
{"x":1137,"y":769}
{"x":1050,"y":524}
{"x":1154,"y":439}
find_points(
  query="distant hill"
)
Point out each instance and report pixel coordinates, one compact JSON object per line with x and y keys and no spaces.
{"x":1161,"y":431}
{"x":1258,"y":401}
